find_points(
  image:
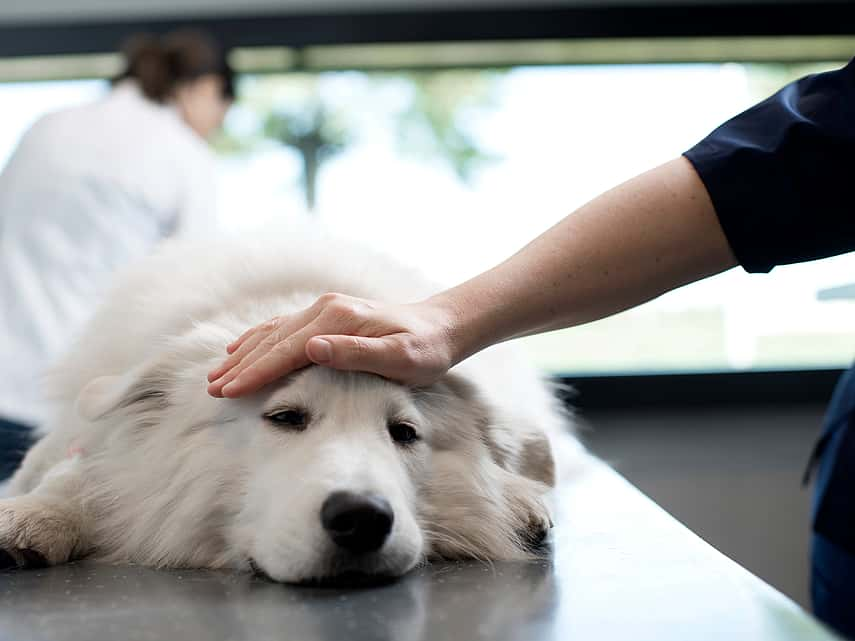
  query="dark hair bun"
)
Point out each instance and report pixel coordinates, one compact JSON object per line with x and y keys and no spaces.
{"x":147,"y":62}
{"x":159,"y":64}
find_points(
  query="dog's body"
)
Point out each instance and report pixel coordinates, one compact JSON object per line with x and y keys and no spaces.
{"x":140,"y":465}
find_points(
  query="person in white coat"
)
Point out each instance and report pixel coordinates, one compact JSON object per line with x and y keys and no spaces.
{"x":89,"y":190}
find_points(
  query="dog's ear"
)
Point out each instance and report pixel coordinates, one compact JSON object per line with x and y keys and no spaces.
{"x":536,"y":460}
{"x":455,"y":408}
{"x":145,"y":383}
{"x":513,"y":443}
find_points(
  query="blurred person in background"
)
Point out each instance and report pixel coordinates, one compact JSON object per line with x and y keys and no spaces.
{"x":91,"y":189}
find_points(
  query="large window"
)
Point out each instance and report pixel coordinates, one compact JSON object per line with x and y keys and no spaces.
{"x":454,"y":169}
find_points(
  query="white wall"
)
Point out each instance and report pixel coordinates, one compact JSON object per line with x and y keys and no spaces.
{"x":35,"y":10}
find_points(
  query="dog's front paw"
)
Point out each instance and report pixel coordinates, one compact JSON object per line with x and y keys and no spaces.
{"x":530,"y":513}
{"x":35,"y":534}
{"x":536,"y":527}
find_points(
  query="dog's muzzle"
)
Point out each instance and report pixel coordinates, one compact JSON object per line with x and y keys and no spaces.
{"x":358,"y":523}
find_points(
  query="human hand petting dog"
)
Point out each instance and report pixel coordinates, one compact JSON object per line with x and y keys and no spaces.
{"x":410,"y":344}
{"x":641,"y":239}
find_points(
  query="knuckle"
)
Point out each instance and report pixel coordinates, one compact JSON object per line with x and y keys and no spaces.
{"x":229,"y":364}
{"x":408,"y":352}
{"x":357,"y":345}
{"x":412,"y":357}
{"x":340,"y":310}
{"x":247,"y":377}
{"x":271,"y":340}
{"x":344,"y":306}
{"x":280,"y":359}
{"x":270,"y":325}
{"x":327,"y":298}
{"x":281,"y":348}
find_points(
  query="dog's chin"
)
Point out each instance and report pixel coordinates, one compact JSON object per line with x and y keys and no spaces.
{"x":349,"y":579}
{"x":346,"y":577}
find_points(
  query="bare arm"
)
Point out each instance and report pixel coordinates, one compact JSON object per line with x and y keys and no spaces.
{"x":641,"y":239}
{"x":652,"y":234}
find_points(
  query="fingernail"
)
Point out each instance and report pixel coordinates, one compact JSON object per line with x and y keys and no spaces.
{"x":227,"y":387}
{"x":321,"y":350}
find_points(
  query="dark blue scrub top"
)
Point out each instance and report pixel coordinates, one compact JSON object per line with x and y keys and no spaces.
{"x":781,"y":175}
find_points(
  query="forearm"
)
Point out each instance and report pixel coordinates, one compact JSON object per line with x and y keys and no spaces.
{"x":643,"y":238}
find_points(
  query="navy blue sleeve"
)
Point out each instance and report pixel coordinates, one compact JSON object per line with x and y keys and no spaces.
{"x":781,"y":175}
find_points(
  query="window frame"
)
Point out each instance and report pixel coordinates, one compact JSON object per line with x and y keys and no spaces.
{"x":639,"y":20}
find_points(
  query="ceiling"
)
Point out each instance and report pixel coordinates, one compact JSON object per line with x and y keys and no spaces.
{"x":34,"y":11}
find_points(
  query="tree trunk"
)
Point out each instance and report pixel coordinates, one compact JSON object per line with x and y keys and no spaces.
{"x":310,"y":174}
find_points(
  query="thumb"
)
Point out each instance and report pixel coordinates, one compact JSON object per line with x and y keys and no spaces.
{"x":375,"y":355}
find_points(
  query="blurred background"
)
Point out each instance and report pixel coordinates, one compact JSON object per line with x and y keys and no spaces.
{"x":451,"y":133}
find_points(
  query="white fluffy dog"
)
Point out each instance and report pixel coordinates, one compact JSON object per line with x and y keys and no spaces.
{"x":322,"y":476}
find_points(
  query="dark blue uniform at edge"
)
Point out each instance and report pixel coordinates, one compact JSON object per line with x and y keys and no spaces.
{"x":780,"y":177}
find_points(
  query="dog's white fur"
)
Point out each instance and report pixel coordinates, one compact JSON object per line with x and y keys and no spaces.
{"x":140,"y":465}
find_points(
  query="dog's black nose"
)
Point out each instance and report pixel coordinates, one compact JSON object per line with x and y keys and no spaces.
{"x":359,"y":523}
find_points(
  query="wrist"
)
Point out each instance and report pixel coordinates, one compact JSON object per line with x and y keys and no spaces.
{"x":459,"y":319}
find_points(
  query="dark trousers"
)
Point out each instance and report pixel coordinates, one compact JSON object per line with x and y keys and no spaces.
{"x":833,"y":543}
{"x":15,"y":440}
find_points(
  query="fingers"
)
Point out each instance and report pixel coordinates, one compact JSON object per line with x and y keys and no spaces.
{"x":384,"y":356}
{"x":244,"y":345}
{"x":332,"y":332}
{"x":265,"y":364}
{"x":279,"y":336}
{"x":250,"y":351}
{"x":264,"y":337}
{"x":231,"y":347}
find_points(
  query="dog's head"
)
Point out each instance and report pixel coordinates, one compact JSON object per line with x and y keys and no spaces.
{"x":321,"y":476}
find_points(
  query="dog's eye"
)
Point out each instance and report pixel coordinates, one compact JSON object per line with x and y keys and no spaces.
{"x":403,"y":433}
{"x":291,"y":419}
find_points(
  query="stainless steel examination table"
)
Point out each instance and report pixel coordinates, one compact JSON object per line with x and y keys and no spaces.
{"x":621,"y":568}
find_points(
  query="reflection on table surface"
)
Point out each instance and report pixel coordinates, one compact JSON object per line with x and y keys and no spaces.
{"x":621,"y":568}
